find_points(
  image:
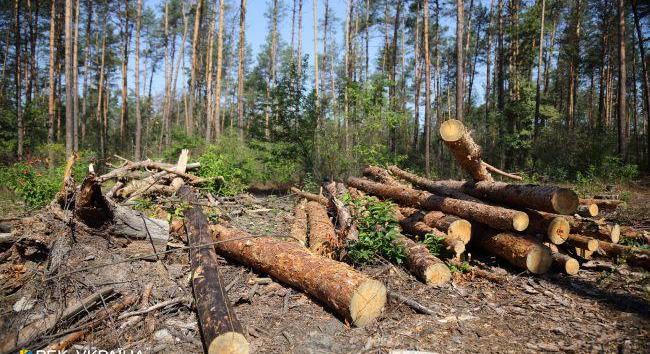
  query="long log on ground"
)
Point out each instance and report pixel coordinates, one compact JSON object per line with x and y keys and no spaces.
{"x":595,"y":229}
{"x":464,"y":149}
{"x":96,"y":211}
{"x":322,"y":236}
{"x":414,"y":226}
{"x":585,"y":243}
{"x":631,"y":255}
{"x":588,"y":210}
{"x":432,"y":186}
{"x":298,"y":231}
{"x":496,"y":217}
{"x":310,"y":196}
{"x":554,"y":227}
{"x":353,"y":295}
{"x":454,"y":226}
{"x":605,"y":204}
{"x":345,"y":228}
{"x":566,"y":263}
{"x":522,"y":251}
{"x":421,"y":263}
{"x":380,"y":175}
{"x":220,"y":328}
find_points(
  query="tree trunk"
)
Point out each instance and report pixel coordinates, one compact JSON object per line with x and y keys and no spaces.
{"x":322,"y":237}
{"x":84,"y":103}
{"x":583,"y":242}
{"x":555,"y":228}
{"x":500,"y":69}
{"x":18,"y":79}
{"x":217,"y":98}
{"x":340,"y":287}
{"x":521,"y":251}
{"x":460,"y":63}
{"x":208,"y":79}
{"x":454,"y":226}
{"x":496,"y":217}
{"x":421,"y":263}
{"x":427,"y":90}
{"x":622,"y":82}
{"x":346,"y":230}
{"x":138,"y":116}
{"x":221,"y":331}
{"x":488,"y":63}
{"x":538,"y":95}
{"x":417,"y":82}
{"x":299,"y":227}
{"x":240,"y":69}
{"x":632,"y":255}
{"x":69,"y":81}
{"x":464,"y":149}
{"x":75,"y":81}
{"x":124,"y":116}
{"x":316,"y":84}
{"x":51,"y":101}
{"x":646,"y":83}
{"x":189,"y":124}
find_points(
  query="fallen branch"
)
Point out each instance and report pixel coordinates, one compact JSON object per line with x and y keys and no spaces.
{"x":310,"y":196}
{"x":501,"y":172}
{"x":418,"y":307}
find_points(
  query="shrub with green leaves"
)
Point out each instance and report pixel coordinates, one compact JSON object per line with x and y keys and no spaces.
{"x":434,"y":243}
{"x":378,"y":229}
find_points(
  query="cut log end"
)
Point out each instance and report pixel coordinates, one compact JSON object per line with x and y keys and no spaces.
{"x":229,"y":343}
{"x":367,"y":302}
{"x":565,"y":201}
{"x":437,"y":274}
{"x":615,"y":235}
{"x":456,"y":247}
{"x":571,"y":266}
{"x":592,"y":245}
{"x":588,"y":210}
{"x":460,"y":229}
{"x":558,"y":230}
{"x":539,"y":260}
{"x":520,"y":221}
{"x":452,"y":130}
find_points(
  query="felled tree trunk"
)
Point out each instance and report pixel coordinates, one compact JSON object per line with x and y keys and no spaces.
{"x":562,"y":261}
{"x":351,"y":294}
{"x":496,"y":217}
{"x":414,"y":226}
{"x":345,"y":227}
{"x":432,"y":186}
{"x":298,"y":231}
{"x":556,"y":228}
{"x":464,"y":149}
{"x":585,"y":243}
{"x":632,"y":255}
{"x":380,"y":175}
{"x":322,"y":237}
{"x":605,"y":204}
{"x":595,"y":229}
{"x":588,"y":210}
{"x":220,"y":328}
{"x":421,"y":263}
{"x":522,"y":251}
{"x":454,"y":226}
{"x":310,"y":196}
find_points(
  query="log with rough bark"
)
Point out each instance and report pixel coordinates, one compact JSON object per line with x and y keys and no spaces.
{"x":587,"y":210}
{"x":556,"y":228}
{"x":351,"y":294}
{"x":380,"y":175}
{"x":605,"y":204}
{"x":413,"y":225}
{"x":97,"y":211}
{"x":493,"y":216}
{"x":421,"y":263}
{"x":595,"y":228}
{"x":220,"y":328}
{"x":345,"y":227}
{"x":464,"y":149}
{"x":582,"y":242}
{"x":522,"y":251}
{"x":634,"y":256}
{"x":568,"y":264}
{"x":310,"y":196}
{"x":432,"y":186}
{"x":454,"y":226}
{"x":583,"y":253}
{"x":322,"y":237}
{"x":298,"y":231}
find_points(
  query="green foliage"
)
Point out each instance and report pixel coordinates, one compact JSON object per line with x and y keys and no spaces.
{"x":182,"y":141}
{"x":142,"y":204}
{"x":464,"y":267}
{"x":434,"y":243}
{"x":378,"y":230}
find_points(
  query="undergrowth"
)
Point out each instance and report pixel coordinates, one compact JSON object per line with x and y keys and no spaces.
{"x":378,"y":230}
{"x":434,"y":244}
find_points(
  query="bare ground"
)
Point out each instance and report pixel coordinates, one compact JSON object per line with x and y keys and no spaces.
{"x":603,"y":309}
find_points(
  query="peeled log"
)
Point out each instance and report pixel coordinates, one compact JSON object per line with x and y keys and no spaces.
{"x":585,"y":243}
{"x":310,"y":196}
{"x":351,"y":294}
{"x":464,"y":149}
{"x":221,"y":331}
{"x":421,"y":263}
{"x":495,"y":217}
{"x":522,"y":251}
{"x":632,"y":255}
{"x":432,"y":186}
{"x":322,"y":237}
{"x":587,"y":210}
{"x":556,"y":228}
{"x":299,"y":227}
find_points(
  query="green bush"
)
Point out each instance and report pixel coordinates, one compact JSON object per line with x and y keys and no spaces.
{"x":378,"y":229}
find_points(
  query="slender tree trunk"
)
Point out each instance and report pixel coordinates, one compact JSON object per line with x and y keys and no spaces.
{"x":84,"y":102}
{"x":240,"y":69}
{"x":51,"y":101}
{"x":488,"y":64}
{"x":417,"y":82}
{"x":138,"y":116}
{"x":75,"y":80}
{"x":272,"y":66}
{"x":100,"y":90}
{"x":179,"y":59}
{"x":208,"y":74}
{"x":459,"y":60}
{"x":645,"y":82}
{"x":472,"y":69}
{"x":299,"y":54}
{"x":427,"y":92}
{"x":316,"y":85}
{"x":217,"y":107}
{"x":18,"y":78}
{"x":164,"y":131}
{"x":539,"y":72}
{"x":124,"y":116}
{"x":622,"y":82}
{"x":69,"y":85}
{"x":500,"y":69}
{"x":189,"y":124}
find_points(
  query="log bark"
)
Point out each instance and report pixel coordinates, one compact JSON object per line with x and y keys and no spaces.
{"x":556,"y":228}
{"x":414,"y":226}
{"x":310,"y":196}
{"x":632,"y":255}
{"x":522,"y":251}
{"x":454,"y":226}
{"x":464,"y":149}
{"x":345,"y":228}
{"x":605,"y":204}
{"x":495,"y":217}
{"x":322,"y":237}
{"x":421,"y":263}
{"x":588,"y":210}
{"x":298,"y":231}
{"x":220,"y":328}
{"x":544,"y":198}
{"x":351,"y":294}
{"x":595,"y":229}
{"x":431,"y":186}
{"x":585,"y":243}
{"x":380,"y":175}
{"x":562,"y":261}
